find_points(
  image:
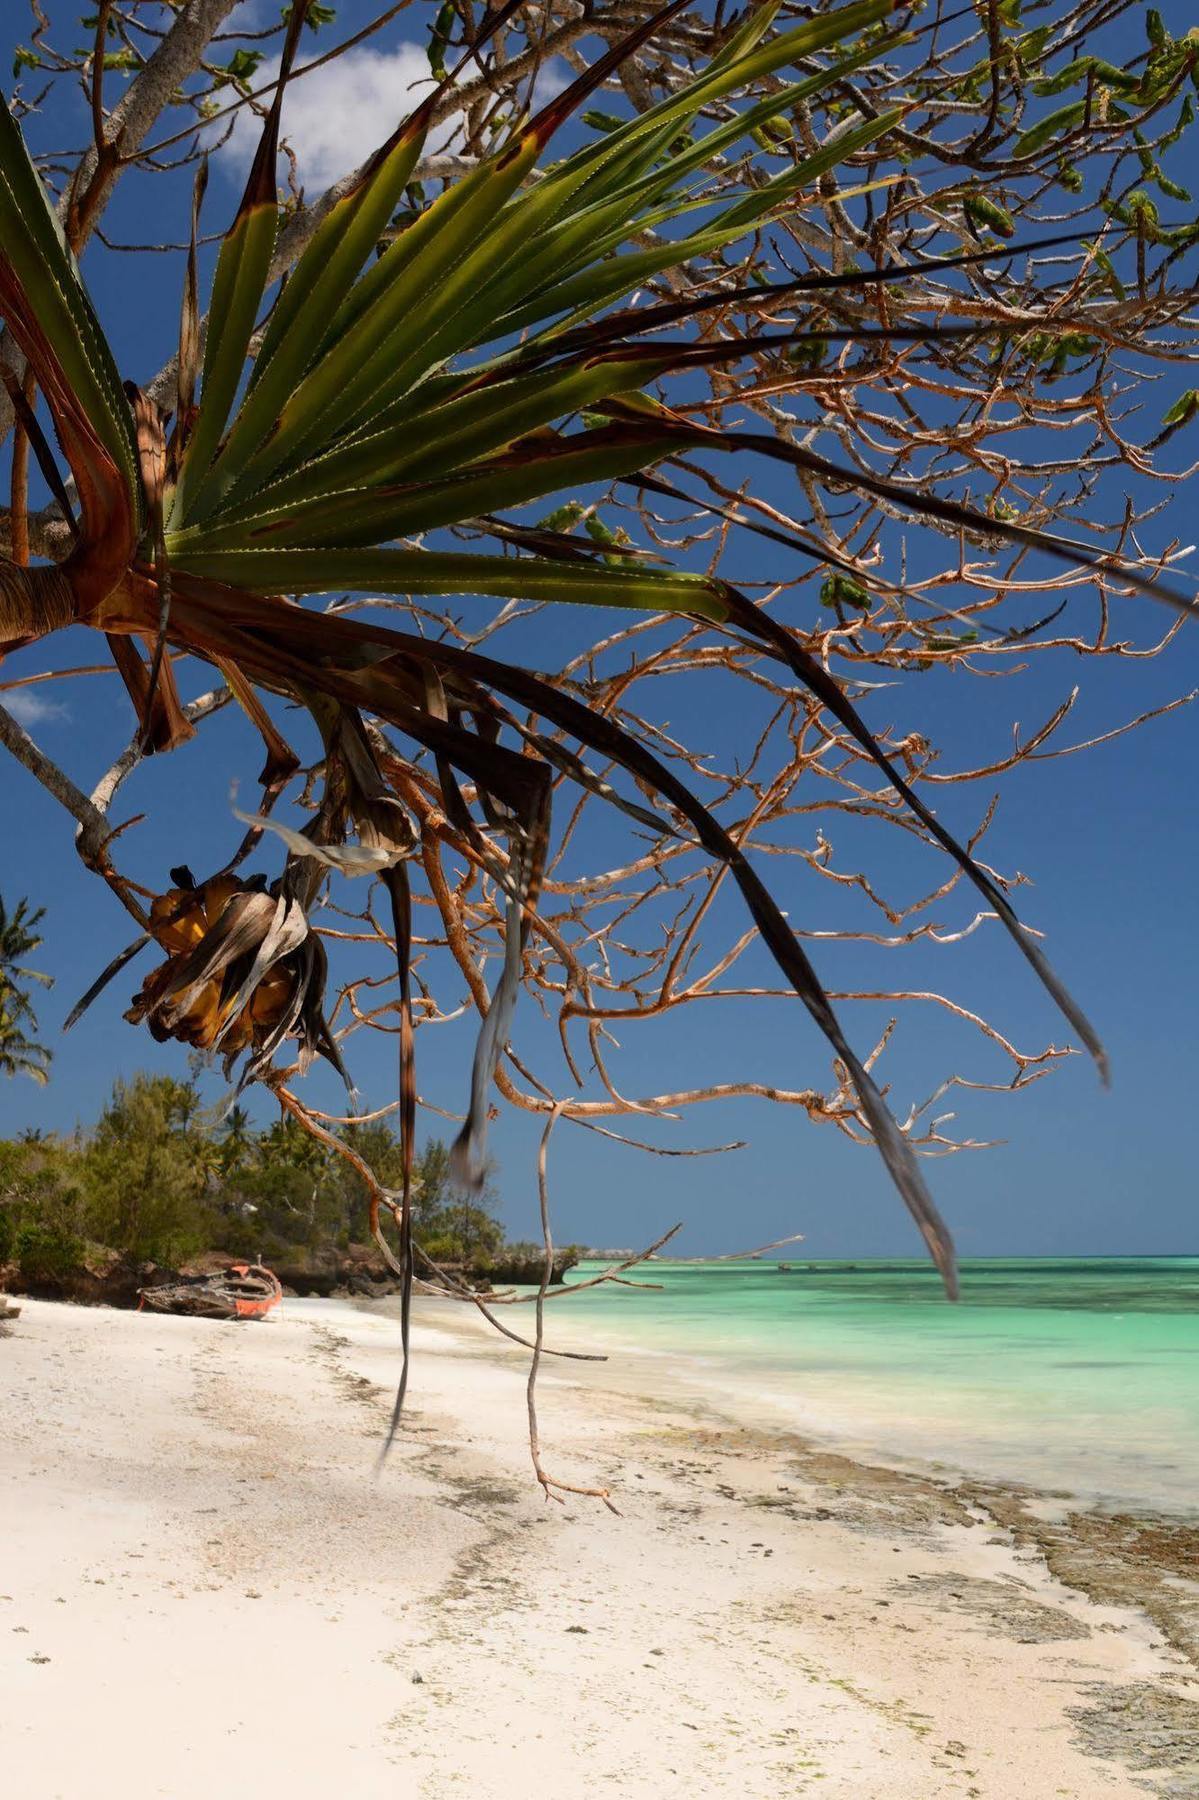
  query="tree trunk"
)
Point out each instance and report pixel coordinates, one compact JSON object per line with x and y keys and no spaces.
{"x":33,"y":603}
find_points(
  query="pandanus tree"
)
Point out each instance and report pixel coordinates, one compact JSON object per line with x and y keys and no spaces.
{"x":497,"y":353}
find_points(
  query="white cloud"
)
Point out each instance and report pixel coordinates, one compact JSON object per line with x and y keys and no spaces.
{"x":336,"y":117}
{"x":29,"y":708}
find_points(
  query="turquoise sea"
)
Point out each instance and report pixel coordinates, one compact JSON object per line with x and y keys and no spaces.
{"x":1078,"y":1376}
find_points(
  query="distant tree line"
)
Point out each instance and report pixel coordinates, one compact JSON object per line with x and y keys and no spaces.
{"x":159,"y":1179}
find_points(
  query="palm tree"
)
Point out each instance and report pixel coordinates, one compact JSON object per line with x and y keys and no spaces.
{"x":19,"y":938}
{"x":237,"y":1138}
{"x":19,"y":1054}
{"x":483,"y":362}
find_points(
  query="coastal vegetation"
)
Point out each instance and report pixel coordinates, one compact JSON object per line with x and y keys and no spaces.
{"x":686,"y":363}
{"x":158,"y":1180}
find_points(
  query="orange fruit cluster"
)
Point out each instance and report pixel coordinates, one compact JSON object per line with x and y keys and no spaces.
{"x":179,"y":921}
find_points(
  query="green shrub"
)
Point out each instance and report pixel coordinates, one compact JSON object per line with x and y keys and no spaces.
{"x":45,"y":1248}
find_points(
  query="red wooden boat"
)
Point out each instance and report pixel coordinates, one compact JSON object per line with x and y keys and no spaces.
{"x":242,"y":1291}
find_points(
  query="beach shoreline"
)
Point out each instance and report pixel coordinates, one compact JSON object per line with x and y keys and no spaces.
{"x":202,"y":1574}
{"x":1109,"y":1548}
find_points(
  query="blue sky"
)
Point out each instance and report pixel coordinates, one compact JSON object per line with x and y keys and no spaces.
{"x":1108,"y":840}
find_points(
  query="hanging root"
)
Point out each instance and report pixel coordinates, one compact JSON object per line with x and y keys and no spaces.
{"x":552,"y":1489}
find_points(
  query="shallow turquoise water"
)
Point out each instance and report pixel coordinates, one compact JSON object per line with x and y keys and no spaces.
{"x":1075,"y":1375}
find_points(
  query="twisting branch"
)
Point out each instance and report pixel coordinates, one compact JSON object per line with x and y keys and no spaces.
{"x":550,"y":1487}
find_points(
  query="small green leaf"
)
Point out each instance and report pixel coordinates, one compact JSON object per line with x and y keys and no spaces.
{"x":985,"y":211}
{"x":317,"y":16}
{"x":1105,"y":262}
{"x":843,"y":590}
{"x":1142,"y":211}
{"x":615,"y":541}
{"x":1053,"y":125}
{"x":1184,"y":409}
{"x":1186,"y":118}
{"x":563,"y":518}
{"x":239,"y":69}
{"x":602,"y":121}
{"x":1087,"y":69}
{"x":439,"y":38}
{"x":808,"y":355}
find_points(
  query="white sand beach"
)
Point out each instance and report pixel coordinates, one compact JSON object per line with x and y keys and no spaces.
{"x":206,"y":1589}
